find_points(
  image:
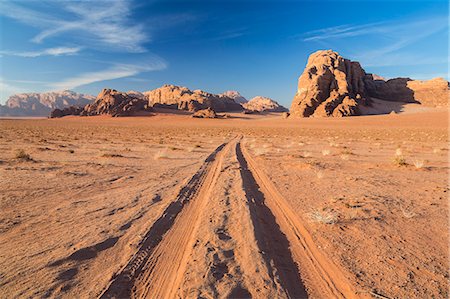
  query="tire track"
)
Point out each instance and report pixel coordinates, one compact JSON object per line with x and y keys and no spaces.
{"x":274,"y":245}
{"x":324,"y":279}
{"x":158,"y":265}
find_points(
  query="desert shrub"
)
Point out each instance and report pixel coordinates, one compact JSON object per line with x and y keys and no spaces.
{"x":324,"y":217}
{"x":22,"y":155}
{"x":399,"y":161}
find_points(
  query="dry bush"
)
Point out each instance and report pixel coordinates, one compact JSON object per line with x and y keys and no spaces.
{"x":399,"y":161}
{"x":22,"y":155}
{"x":324,"y":217}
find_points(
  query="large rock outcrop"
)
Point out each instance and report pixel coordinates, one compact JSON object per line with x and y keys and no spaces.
{"x":116,"y":103}
{"x":329,"y":86}
{"x":41,"y":104}
{"x":262,"y":104}
{"x":334,"y":86}
{"x":182,"y":98}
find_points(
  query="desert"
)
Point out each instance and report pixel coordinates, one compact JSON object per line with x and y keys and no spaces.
{"x":184,"y":207}
{"x":230,"y":150}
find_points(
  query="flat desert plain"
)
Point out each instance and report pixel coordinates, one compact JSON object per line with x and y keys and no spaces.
{"x":255,"y":206}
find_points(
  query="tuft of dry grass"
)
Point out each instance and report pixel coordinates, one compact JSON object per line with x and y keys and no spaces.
{"x":319,"y":174}
{"x":161,"y":154}
{"x":418,"y":164}
{"x":399,"y":161}
{"x":399,"y":152}
{"x":345,"y":157}
{"x":324,"y":217}
{"x":326,"y":152}
{"x":22,"y":155}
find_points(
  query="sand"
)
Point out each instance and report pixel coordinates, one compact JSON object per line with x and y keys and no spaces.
{"x":250,"y":206}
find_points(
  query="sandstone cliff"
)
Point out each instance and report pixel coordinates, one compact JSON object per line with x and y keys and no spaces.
{"x":182,"y":98}
{"x":334,"y":86}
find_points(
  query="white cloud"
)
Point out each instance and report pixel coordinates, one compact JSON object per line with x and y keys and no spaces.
{"x":101,"y":22}
{"x":117,"y":71}
{"x":59,"y":51}
{"x":393,"y":40}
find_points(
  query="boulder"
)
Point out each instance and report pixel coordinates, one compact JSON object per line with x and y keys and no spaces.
{"x":263,"y":104}
{"x":205,"y":113}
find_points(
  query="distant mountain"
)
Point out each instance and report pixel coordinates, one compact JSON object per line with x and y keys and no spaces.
{"x":41,"y":104}
{"x":236,"y":96}
{"x":264,"y":104}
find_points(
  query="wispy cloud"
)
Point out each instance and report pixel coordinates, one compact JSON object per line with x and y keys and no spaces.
{"x":102,"y":21}
{"x":393,"y":37}
{"x":116,"y":71}
{"x":59,"y":51}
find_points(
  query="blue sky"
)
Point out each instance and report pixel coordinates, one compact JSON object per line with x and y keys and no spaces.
{"x":255,"y":47}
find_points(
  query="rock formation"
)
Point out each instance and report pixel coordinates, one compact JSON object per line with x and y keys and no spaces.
{"x":329,"y":86}
{"x":262,"y":104}
{"x":334,"y":86}
{"x":182,"y":98}
{"x":205,"y":113}
{"x":236,"y":96}
{"x":72,"y":110}
{"x":116,"y":103}
{"x":41,"y":104}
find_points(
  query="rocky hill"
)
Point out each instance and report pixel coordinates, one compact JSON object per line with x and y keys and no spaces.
{"x":334,"y":86}
{"x":262,"y":104}
{"x":182,"y":98}
{"x":41,"y":104}
{"x":109,"y":102}
{"x":236,"y":96}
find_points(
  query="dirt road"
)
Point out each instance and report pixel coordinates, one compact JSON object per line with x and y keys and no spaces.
{"x":228,"y":234}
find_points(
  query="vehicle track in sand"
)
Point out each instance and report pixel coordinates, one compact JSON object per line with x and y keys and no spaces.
{"x":229,"y":234}
{"x":158,"y":264}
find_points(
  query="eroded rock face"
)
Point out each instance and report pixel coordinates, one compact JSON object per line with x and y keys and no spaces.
{"x":115,"y":103}
{"x":329,"y":86}
{"x":334,"y":86}
{"x":262,"y":104}
{"x":182,"y":98}
{"x":41,"y":104}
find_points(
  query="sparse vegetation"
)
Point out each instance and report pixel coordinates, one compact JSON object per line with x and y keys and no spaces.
{"x":324,"y":217}
{"x":418,"y":164}
{"x":161,"y":154}
{"x":109,"y":155}
{"x":326,"y":152}
{"x":399,"y":161}
{"x":22,"y":155}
